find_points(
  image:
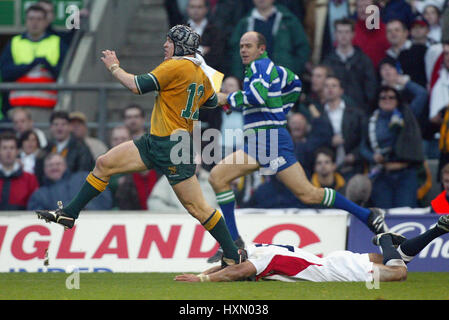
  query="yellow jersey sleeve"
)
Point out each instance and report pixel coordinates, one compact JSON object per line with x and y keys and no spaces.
{"x":165,"y":74}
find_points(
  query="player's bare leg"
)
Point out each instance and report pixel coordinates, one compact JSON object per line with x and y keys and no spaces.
{"x":233,"y":166}
{"x":295,"y":179}
{"x":390,"y":273}
{"x":123,"y":158}
{"x":190,"y":194}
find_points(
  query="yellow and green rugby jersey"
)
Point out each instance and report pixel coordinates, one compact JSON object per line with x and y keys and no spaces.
{"x":183,"y":88}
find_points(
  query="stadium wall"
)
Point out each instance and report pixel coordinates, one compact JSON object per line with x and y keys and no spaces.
{"x":137,"y":242}
{"x":150,"y":242}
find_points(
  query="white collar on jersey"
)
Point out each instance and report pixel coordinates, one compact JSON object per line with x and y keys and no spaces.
{"x":195,"y":60}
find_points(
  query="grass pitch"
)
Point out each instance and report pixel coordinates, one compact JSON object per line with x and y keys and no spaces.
{"x":161,"y":286}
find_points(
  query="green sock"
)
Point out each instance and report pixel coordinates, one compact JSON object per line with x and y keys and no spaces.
{"x":216,"y":226}
{"x":90,"y":189}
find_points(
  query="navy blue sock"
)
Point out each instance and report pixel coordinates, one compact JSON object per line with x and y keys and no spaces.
{"x":411,"y":247}
{"x":389,"y":252}
{"x":336,"y":200}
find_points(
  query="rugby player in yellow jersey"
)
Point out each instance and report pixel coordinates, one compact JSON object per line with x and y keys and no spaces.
{"x":182,"y":88}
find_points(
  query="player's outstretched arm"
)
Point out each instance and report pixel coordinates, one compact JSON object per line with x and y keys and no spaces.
{"x":231,"y":273}
{"x":112,"y":63}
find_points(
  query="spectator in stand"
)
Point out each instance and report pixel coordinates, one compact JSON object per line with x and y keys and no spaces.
{"x":314,"y":97}
{"x":119,"y":135}
{"x":29,"y":150}
{"x":412,"y":94}
{"x":134,"y":190}
{"x":22,"y":121}
{"x":78,"y":122}
{"x":440,"y":104}
{"x":176,"y":11}
{"x":347,"y":123}
{"x":445,"y":23}
{"x":273,"y":194}
{"x":163,"y":199}
{"x":358,"y":190}
{"x":228,"y":14}
{"x":75,"y":151}
{"x":67,"y":36}
{"x":439,"y":94}
{"x":439,"y":107}
{"x":415,"y":97}
{"x":419,"y":32}
{"x":16,"y":186}
{"x":372,"y":41}
{"x":396,"y":10}
{"x":134,"y":120}
{"x":326,"y":13}
{"x":212,"y":48}
{"x":438,"y":70}
{"x":61,"y":185}
{"x":435,"y":72}
{"x":212,"y":43}
{"x":325,"y":171}
{"x":409,"y":56}
{"x":440,"y":204}
{"x":287,"y":43}
{"x":307,"y":138}
{"x":432,"y":14}
{"x":393,"y":146}
{"x":34,"y":56}
{"x":353,"y":67}
{"x":130,"y":191}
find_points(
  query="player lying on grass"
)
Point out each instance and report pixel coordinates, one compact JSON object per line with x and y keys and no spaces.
{"x":287,"y":263}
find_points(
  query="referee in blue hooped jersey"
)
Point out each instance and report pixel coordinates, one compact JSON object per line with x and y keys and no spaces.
{"x":269,"y":92}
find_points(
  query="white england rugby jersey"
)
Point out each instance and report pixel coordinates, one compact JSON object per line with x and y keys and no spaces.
{"x":287,"y":263}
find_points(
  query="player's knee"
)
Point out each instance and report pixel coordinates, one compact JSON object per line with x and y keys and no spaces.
{"x":215,"y":180}
{"x":102,"y":164}
{"x":308,"y":197}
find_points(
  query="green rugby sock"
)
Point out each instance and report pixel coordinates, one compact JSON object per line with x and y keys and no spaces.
{"x":90,"y":189}
{"x":216,"y":226}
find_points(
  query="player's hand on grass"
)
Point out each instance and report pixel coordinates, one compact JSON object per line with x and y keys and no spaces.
{"x":109,"y":59}
{"x":187,"y":277}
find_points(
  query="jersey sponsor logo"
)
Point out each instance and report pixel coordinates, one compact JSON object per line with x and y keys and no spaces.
{"x":275,"y":164}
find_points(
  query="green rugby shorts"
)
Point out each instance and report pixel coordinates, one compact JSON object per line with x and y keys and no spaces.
{"x":174,"y":159}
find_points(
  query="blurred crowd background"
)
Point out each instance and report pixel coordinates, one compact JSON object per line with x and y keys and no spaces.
{"x":372,"y":121}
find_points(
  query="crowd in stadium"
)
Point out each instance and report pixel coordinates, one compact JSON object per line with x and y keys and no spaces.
{"x":373,"y":108}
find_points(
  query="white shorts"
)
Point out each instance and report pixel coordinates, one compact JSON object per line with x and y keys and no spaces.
{"x":342,"y":266}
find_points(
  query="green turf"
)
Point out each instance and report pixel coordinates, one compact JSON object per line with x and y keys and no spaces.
{"x":160,"y":286}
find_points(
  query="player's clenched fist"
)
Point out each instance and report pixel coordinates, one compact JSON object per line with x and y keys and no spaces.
{"x":109,"y":59}
{"x":222,"y":98}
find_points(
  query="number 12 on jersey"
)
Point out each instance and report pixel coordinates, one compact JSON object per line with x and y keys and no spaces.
{"x":193,"y":90}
